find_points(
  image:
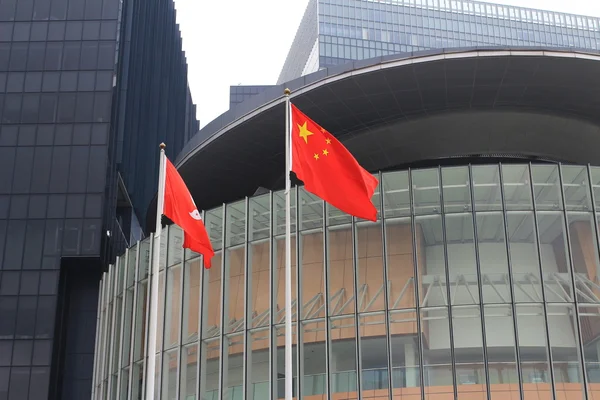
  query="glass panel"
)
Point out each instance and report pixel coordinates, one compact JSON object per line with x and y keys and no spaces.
{"x":258,"y":364}
{"x":468,"y":353}
{"x":524,"y":257}
{"x":546,"y":187}
{"x":426,"y":191}
{"x":313,"y":276}
{"x":400,"y":266}
{"x":191,"y":300}
{"x":437,"y":360}
{"x":576,"y":187}
{"x":157,"y":381}
{"x":137,"y":384}
{"x":486,"y":188}
{"x":584,"y":253}
{"x":595,"y":172}
{"x":406,"y":376}
{"x":211,"y":299}
{"x":533,"y":351}
{"x":492,"y":257}
{"x":279,"y":279}
{"x":144,"y":259}
{"x":279,"y":361}
{"x":169,"y":374}
{"x":209,"y":369}
{"x":341,"y":271}
{"x":173,"y":307}
{"x":374,"y":356}
{"x":175,"y":253}
{"x":139,"y":327}
{"x":555,"y":265}
{"x":260,"y":223}
{"x":132,"y":259}
{"x":431,"y":261}
{"x":233,"y":366}
{"x":236,"y":224}
{"x":462,"y":266}
{"x":161,"y":309}
{"x":124,"y":383}
{"x":589,"y":320}
{"x":396,"y":199}
{"x":189,"y":372}
{"x":260,"y":284}
{"x":311,"y":211}
{"x":517,"y":191}
{"x":234,"y":288}
{"x":214,"y":227}
{"x":457,"y":193}
{"x":126,"y":346}
{"x":371,"y":288}
{"x":501,"y":352}
{"x":343,"y":356}
{"x":314,"y":361}
{"x":564,"y":345}
{"x":279,"y":217}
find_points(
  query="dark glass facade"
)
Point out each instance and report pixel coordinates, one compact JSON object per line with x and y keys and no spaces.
{"x":334,"y":32}
{"x":67,"y":69}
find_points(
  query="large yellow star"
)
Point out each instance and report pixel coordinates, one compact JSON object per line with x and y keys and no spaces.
{"x":304,"y":132}
{"x":325,"y":152}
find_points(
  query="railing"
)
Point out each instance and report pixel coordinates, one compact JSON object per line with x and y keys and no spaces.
{"x":435,"y":375}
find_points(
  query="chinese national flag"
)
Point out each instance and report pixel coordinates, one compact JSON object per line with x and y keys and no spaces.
{"x":180,"y":208}
{"x":328,"y":170}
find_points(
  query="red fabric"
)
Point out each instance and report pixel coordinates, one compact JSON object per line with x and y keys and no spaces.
{"x":329,"y":170}
{"x":180,"y":208}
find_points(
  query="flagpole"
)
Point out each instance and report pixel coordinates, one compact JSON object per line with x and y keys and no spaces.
{"x":153,"y":324}
{"x":288,"y":253}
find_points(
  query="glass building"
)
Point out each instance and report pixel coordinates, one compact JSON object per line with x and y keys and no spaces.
{"x":80,"y":94}
{"x":478,"y":281}
{"x":335,"y":32}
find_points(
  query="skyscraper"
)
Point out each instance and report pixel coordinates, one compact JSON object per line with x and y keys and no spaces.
{"x":333,"y":32}
{"x":88,"y":89}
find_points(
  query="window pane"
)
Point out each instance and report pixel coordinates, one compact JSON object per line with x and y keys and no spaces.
{"x":555,"y":264}
{"x":468,"y":353}
{"x":584,"y":254}
{"x":589,"y":320}
{"x":462,"y":266}
{"x":546,"y":187}
{"x":313,"y":275}
{"x":258,"y":364}
{"x":314,"y":374}
{"x":457,"y":193}
{"x":374,"y":356}
{"x":405,"y":354}
{"x":524,"y":257}
{"x":191,"y":300}
{"x":370,"y":267}
{"x":486,"y":188}
{"x":341,"y":271}
{"x":517,"y":191}
{"x":233,"y":366}
{"x":426,"y":191}
{"x":139,"y":327}
{"x":235,"y":268}
{"x":437,"y":360}
{"x":189,"y":372}
{"x":595,"y":172}
{"x":343,"y":355}
{"x":173,"y":306}
{"x":169,"y":374}
{"x":501,"y":351}
{"x":400,"y":266}
{"x":564,"y":345}
{"x":431,"y":261}
{"x":397,"y":195}
{"x":576,"y":188}
{"x":492,"y":256}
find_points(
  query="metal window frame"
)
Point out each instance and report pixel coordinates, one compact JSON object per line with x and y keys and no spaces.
{"x":133,"y":317}
{"x":247,"y":289}
{"x":222,"y":366}
{"x":120,"y":365}
{"x":98,"y":337}
{"x":328,"y":347}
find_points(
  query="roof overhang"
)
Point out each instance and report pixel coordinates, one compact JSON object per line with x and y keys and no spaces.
{"x":400,"y":109}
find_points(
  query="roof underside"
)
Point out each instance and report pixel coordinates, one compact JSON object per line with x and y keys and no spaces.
{"x":392,"y":112}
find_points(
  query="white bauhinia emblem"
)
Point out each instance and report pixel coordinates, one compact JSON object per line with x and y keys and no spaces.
{"x":195,"y":214}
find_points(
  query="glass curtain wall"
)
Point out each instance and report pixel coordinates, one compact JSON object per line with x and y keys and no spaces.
{"x":476,"y":282}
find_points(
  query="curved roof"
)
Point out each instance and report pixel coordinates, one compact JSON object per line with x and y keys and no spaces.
{"x":404,"y":108}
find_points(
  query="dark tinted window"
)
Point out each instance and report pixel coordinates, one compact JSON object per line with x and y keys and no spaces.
{"x":89,"y":55}
{"x":58,"y":9}
{"x":45,"y":134}
{"x":110,"y":9}
{"x":12,"y":108}
{"x":18,"y":57}
{"x":8,"y":310}
{"x":91,"y":30}
{"x":47,"y":107}
{"x":85,"y":107}
{"x":45,"y":317}
{"x":66,"y":107}
{"x":7,"y":162}
{"x":34,"y":244}
{"x":97,"y":169}
{"x":39,"y":30}
{"x":56,"y":30}
{"x":104,"y":80}
{"x":21,"y":32}
{"x":15,"y":82}
{"x":26,"y":317}
{"x":30,"y":108}
{"x":82,"y":134}
{"x":78,"y":172}
{"x":15,"y":241}
{"x":33,"y":82}
{"x":35,"y":57}
{"x":37,"y":204}
{"x":4,"y":56}
{"x":106,"y":55}
{"x":50,"y":81}
{"x":23,"y":170}
{"x":27,"y":135}
{"x":108,"y":30}
{"x":22,"y":352}
{"x":24,"y":10}
{"x":102,"y":107}
{"x":86,"y":81}
{"x":53,"y":56}
{"x":68,"y":82}
{"x":75,"y":204}
{"x":60,"y":169}
{"x":99,"y":133}
{"x":41,"y":10}
{"x":6,"y":30}
{"x":74,"y":30}
{"x":8,"y":136}
{"x":76,"y":9}
{"x":41,"y":164}
{"x":18,"y":203}
{"x":30,"y":281}
{"x":63,"y":134}
{"x":71,"y":58}
{"x":10,"y":283}
{"x":93,"y":9}
{"x":56,"y":206}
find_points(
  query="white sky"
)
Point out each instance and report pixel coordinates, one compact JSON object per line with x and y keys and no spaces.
{"x":231,"y":42}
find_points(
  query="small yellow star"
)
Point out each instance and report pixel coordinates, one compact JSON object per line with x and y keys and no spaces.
{"x":304,"y":132}
{"x":325,"y":152}
{"x":323,"y":130}
{"x":316,"y":156}
{"x":328,"y":141}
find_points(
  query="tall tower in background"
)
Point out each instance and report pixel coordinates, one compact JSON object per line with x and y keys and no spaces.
{"x":88,"y":88}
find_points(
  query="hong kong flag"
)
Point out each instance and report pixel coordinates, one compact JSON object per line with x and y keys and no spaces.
{"x":329,"y":170}
{"x":180,"y":208}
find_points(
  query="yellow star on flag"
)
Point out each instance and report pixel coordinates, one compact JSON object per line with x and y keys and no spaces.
{"x":304,"y":132}
{"x":328,"y":141}
{"x":325,"y":152}
{"x":316,"y":156}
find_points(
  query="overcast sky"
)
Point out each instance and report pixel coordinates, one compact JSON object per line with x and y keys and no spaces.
{"x":231,"y":42}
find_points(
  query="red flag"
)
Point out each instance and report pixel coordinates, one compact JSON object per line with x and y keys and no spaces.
{"x":329,"y":170}
{"x":180,"y":208}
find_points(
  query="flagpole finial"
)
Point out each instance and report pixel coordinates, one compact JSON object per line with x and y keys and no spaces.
{"x":162,"y":146}
{"x":287,"y":91}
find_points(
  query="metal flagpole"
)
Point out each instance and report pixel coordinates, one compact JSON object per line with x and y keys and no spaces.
{"x":288,"y":253}
{"x":153,"y":324}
